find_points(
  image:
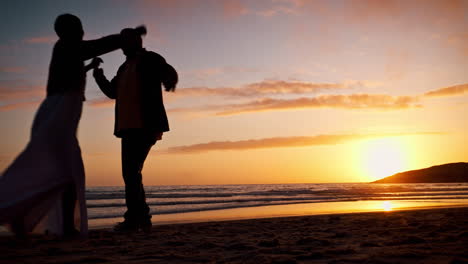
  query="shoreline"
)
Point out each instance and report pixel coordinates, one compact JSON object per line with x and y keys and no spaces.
{"x":431,"y":235}
{"x":278,"y":211}
{"x":287,"y":210}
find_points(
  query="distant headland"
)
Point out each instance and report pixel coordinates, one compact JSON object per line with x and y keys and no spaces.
{"x":451,"y":172}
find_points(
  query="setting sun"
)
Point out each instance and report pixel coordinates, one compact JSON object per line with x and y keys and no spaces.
{"x":387,"y":206}
{"x":383,"y":157}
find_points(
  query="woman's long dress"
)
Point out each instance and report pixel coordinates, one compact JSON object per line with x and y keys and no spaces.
{"x":31,"y":188}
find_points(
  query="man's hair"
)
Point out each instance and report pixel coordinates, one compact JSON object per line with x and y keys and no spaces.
{"x":133,"y":35}
{"x":65,"y":24}
{"x":130,"y":32}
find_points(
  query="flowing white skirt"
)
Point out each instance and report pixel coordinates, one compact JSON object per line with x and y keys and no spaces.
{"x":31,"y":188}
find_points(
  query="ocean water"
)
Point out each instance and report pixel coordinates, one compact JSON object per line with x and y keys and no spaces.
{"x":109,"y":202}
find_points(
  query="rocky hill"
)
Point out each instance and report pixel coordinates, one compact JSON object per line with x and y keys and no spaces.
{"x":451,"y":172}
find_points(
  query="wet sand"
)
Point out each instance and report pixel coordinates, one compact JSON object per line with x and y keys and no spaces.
{"x":416,"y":236}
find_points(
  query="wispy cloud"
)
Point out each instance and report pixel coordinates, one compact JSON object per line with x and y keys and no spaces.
{"x":352,"y":101}
{"x":274,"y":87}
{"x":257,"y":89}
{"x":449,"y":91}
{"x":41,"y":40}
{"x":19,"y":89}
{"x":18,"y":105}
{"x":101,"y":102}
{"x":281,"y":142}
{"x":12,"y":69}
{"x":17,"y":94}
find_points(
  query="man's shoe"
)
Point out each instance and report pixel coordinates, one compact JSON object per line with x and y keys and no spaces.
{"x":17,"y":228}
{"x":71,"y":233}
{"x":126,"y":227}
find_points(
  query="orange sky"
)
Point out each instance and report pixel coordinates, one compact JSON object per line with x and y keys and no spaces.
{"x":271,"y":91}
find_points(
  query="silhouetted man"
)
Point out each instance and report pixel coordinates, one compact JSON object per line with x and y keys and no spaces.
{"x":140,"y":119}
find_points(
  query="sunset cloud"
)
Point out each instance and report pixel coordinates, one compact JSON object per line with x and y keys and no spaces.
{"x":256,"y":89}
{"x":41,"y":40}
{"x":19,"y":89}
{"x":381,"y":102}
{"x":353,"y":101}
{"x":17,"y":94}
{"x":449,"y":91}
{"x":274,"y":87}
{"x":280,"y":142}
{"x":18,"y":105}
{"x":101,"y":102}
{"x":12,"y":69}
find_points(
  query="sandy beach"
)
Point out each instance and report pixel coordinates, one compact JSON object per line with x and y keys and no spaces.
{"x":413,"y":236}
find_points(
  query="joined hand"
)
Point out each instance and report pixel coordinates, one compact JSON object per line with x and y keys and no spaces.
{"x":98,"y":72}
{"x":95,"y":63}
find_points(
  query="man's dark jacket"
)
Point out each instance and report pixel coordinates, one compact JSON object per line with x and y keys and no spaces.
{"x":152,"y":71}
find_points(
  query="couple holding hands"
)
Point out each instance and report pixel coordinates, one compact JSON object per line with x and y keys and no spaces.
{"x":43,"y":190}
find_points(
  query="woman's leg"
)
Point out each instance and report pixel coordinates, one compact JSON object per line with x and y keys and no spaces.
{"x":68,"y":209}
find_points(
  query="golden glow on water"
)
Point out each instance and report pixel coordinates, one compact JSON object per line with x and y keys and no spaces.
{"x":288,"y":210}
{"x":383,"y":157}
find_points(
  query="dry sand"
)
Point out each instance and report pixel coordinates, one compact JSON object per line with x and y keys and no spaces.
{"x":419,"y":236}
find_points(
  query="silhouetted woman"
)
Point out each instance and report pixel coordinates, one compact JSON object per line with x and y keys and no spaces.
{"x":43,"y":189}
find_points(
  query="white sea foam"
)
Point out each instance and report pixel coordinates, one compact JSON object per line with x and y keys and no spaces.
{"x":107,"y":202}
